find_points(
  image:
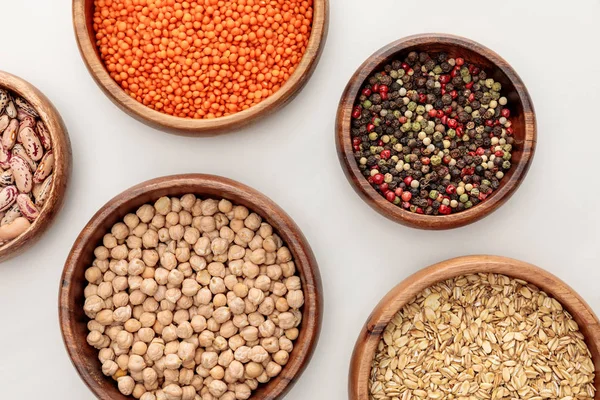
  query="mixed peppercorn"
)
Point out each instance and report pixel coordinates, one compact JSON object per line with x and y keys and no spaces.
{"x":432,"y":134}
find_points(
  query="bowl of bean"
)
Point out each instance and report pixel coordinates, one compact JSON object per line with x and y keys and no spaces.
{"x":35,"y":164}
{"x":480,"y":327}
{"x":200,"y":68}
{"x":435,"y":131}
{"x":187,"y":286}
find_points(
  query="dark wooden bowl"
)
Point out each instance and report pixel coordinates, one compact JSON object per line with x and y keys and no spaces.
{"x":522,"y":116}
{"x":83,"y":11}
{"x":406,"y":291}
{"x":73,"y":321}
{"x":62,"y":169}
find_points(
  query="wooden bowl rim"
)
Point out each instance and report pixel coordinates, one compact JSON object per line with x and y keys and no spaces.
{"x":200,"y":127}
{"x":405,"y":291}
{"x":282,"y":223}
{"x":61,"y":146}
{"x":378,"y":202}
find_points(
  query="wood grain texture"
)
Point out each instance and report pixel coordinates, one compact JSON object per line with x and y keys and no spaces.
{"x":73,"y":321}
{"x":398,"y":297}
{"x":82,"y":21}
{"x":62,"y":167}
{"x":522,"y":116}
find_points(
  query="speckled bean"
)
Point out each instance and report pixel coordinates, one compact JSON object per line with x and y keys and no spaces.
{"x":25,"y":106}
{"x":28,"y":209}
{"x":4,"y":121}
{"x":11,"y":214}
{"x":28,"y":121}
{"x":14,"y":229}
{"x":5,"y":157}
{"x":6,"y":178}
{"x":44,"y":168}
{"x":9,"y":137}
{"x":11,"y":109}
{"x":31,"y":143}
{"x":22,"y":174}
{"x":4,"y":99}
{"x":19,"y":150}
{"x":43,"y":135}
{"x":42,"y":190}
{"x":8,"y":196}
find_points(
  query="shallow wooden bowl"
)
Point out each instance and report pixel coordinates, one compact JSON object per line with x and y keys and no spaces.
{"x":522,"y":116}
{"x":83,"y":11}
{"x":406,"y":291}
{"x":62,"y":168}
{"x":73,"y":321}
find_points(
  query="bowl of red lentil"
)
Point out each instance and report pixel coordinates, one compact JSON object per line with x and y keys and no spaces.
{"x":200,"y":67}
{"x":480,"y":327}
{"x":435,"y":131}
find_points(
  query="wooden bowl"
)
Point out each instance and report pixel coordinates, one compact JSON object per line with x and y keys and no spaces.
{"x":522,"y":116}
{"x":73,"y":321}
{"x":398,"y":297}
{"x":62,"y":168}
{"x":83,"y":11}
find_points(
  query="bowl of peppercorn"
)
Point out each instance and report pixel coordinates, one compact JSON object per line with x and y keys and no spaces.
{"x":435,"y":131}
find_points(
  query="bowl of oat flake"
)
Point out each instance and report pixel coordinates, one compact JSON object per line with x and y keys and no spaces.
{"x":478,"y":327}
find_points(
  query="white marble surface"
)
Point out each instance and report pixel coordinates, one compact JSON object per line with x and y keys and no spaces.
{"x":552,"y":221}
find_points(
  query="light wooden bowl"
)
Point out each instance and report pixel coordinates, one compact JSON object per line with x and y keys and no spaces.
{"x":83,"y":11}
{"x":398,"y":297}
{"x":62,"y":168}
{"x":522,"y":116}
{"x":73,"y":321}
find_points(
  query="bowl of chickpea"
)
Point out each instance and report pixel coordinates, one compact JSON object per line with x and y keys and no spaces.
{"x":190,"y":287}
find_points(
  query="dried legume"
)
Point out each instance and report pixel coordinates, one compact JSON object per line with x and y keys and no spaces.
{"x":432,"y":134}
{"x":192,"y":298}
{"x":26,"y":165}
{"x":204,"y":58}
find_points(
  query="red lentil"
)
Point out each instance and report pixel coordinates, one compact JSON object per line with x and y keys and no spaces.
{"x":205,"y":58}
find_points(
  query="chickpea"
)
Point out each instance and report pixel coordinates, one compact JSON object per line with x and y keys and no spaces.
{"x":150,"y":257}
{"x":139,"y":348}
{"x":163,"y":205}
{"x":281,"y":357}
{"x":256,"y":296}
{"x":122,"y":314}
{"x":206,"y":338}
{"x":155,"y":350}
{"x":270,"y":344}
{"x":176,"y":232}
{"x":93,"y":305}
{"x":202,"y":246}
{"x":126,"y":385}
{"x":236,"y":267}
{"x":186,"y":285}
{"x":288,"y":269}
{"x":172,"y":361}
{"x":173,"y":392}
{"x":253,"y":370}
{"x":295,"y":299}
{"x":267,"y":307}
{"x":185,"y":330}
{"x":217,"y":285}
{"x":240,"y":320}
{"x":186,"y":351}
{"x":219,"y":246}
{"x":132,"y":325}
{"x":217,"y":388}
{"x":131,"y":220}
{"x":163,"y":235}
